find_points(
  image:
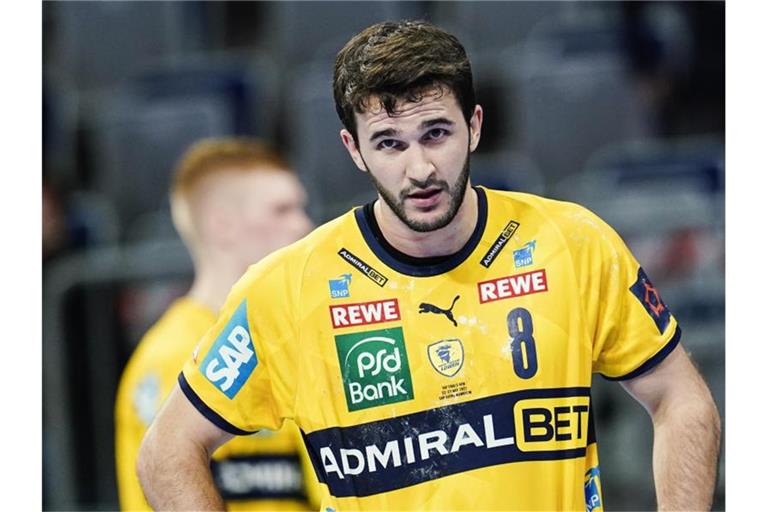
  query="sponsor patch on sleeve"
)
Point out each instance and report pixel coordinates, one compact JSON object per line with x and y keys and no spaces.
{"x":592,"y":489}
{"x":650,"y":298}
{"x":232,"y":358}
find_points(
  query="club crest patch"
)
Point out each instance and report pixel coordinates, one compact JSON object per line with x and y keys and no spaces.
{"x":446,"y":356}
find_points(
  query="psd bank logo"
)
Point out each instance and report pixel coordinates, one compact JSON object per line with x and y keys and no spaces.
{"x":232,"y":358}
{"x":340,"y":286}
{"x":446,"y":356}
{"x":374,"y":368}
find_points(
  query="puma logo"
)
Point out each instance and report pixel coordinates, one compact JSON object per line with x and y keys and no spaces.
{"x":426,"y":307}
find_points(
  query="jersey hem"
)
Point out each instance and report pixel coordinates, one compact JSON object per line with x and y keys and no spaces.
{"x":209,"y":413}
{"x":653,"y":361}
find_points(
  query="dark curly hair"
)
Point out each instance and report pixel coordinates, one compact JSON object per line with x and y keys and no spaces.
{"x":399,"y":60}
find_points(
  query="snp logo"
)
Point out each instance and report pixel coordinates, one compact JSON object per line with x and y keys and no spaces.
{"x":374,"y":368}
{"x":232,"y":358}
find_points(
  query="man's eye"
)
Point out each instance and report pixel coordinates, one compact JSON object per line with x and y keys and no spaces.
{"x":388,"y":144}
{"x":436,"y":133}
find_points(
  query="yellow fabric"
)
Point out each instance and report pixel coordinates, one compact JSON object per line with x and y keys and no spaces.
{"x":402,"y":408}
{"x":149,"y":377}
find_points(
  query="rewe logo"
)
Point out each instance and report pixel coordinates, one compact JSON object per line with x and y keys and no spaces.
{"x":374,"y":368}
{"x":364,"y":313}
{"x":231,"y":359}
{"x":513,"y":286}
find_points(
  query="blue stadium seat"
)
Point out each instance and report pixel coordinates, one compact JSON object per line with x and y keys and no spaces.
{"x":100,"y":44}
{"x":335,"y":184}
{"x":572,"y":94}
{"x":301,"y":30}
{"x":492,"y":25}
{"x":137,"y":142}
{"x":244,"y":82}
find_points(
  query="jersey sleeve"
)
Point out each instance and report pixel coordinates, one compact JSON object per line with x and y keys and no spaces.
{"x":242,"y":374}
{"x":631,"y":328}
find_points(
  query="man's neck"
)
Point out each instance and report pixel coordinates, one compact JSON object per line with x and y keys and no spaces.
{"x":441,"y":242}
{"x":212,"y":284}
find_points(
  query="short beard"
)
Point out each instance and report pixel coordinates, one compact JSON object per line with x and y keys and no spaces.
{"x":456,"y":195}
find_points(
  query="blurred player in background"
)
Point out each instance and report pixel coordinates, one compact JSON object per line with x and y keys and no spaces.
{"x":233,"y":200}
{"x":445,"y":334}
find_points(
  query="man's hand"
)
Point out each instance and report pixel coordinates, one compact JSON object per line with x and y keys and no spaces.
{"x":686,"y":427}
{"x":174,"y":458}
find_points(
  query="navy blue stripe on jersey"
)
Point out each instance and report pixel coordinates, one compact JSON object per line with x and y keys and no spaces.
{"x":426,"y":269}
{"x":206,"y":411}
{"x":393,"y":453}
{"x":653,"y":361}
{"x":263,"y":476}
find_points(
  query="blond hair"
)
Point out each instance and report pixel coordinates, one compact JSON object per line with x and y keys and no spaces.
{"x":209,"y":157}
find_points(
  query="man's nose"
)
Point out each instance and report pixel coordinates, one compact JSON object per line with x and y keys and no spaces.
{"x":419,"y":166}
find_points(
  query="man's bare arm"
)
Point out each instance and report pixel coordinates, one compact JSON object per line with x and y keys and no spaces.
{"x":686,"y":428}
{"x":174,"y":459}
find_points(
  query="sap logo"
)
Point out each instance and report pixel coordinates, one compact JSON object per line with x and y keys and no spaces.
{"x":346,"y":315}
{"x":446,"y":356}
{"x":232,"y":358}
{"x":513,"y":286}
{"x":524,"y":256}
{"x":340,"y":286}
{"x":374,"y":368}
{"x":592,"y":489}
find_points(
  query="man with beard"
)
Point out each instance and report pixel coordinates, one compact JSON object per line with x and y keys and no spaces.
{"x":436,"y":346}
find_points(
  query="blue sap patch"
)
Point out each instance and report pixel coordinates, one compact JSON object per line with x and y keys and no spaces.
{"x":649,"y":297}
{"x":232,"y":358}
{"x":592,"y":489}
{"x":524,"y":257}
{"x":340,"y":286}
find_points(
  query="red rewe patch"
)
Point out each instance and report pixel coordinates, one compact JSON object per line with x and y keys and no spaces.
{"x":364,"y":313}
{"x":513,"y":286}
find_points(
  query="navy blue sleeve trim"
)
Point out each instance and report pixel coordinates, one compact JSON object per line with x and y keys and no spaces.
{"x":206,"y":411}
{"x":656,"y":359}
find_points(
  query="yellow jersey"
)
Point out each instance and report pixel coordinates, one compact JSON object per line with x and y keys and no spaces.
{"x":262,"y":471}
{"x":448,"y":383}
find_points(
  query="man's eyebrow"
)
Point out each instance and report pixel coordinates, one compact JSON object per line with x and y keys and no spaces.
{"x":389,"y":132}
{"x":433,"y":122}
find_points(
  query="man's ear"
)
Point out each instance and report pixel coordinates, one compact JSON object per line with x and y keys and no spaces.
{"x":354,"y":152}
{"x":475,"y":127}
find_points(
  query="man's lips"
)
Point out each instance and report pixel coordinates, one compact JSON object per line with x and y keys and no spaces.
{"x":424,"y":194}
{"x":425,"y":198}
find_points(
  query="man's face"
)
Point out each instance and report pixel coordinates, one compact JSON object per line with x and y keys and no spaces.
{"x":255,"y":212}
{"x":418,"y":159}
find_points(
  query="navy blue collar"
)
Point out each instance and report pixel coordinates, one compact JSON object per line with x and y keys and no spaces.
{"x":419,"y":267}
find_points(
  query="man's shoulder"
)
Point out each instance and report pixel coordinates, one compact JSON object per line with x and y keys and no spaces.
{"x":551,"y":208}
{"x":575,"y":222}
{"x":174,"y":332}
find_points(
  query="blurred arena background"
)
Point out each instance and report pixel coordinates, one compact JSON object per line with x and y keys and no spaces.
{"x":617,"y":105}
